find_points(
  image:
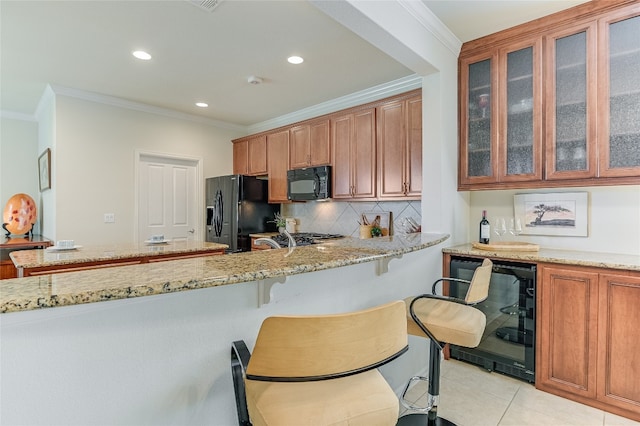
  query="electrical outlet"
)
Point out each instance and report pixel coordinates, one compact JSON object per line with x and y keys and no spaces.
{"x":109,"y":218}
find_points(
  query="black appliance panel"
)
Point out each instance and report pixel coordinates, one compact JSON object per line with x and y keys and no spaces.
{"x":236,"y":207}
{"x":312,"y":183}
{"x":508,"y":342}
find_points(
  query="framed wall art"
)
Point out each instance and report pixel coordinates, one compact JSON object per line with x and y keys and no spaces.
{"x":44,"y":169}
{"x":559,"y":214}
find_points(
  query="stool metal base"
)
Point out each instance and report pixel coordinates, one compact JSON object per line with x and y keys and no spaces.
{"x":420,"y":419}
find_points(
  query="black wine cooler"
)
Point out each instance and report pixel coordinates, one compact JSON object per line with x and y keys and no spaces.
{"x":508,"y":343}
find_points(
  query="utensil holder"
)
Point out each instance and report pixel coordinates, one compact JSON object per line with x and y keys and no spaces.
{"x":365,"y":231}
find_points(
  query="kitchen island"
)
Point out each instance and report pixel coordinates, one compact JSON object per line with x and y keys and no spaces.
{"x":55,"y":260}
{"x":155,"y":349}
{"x":146,"y":279}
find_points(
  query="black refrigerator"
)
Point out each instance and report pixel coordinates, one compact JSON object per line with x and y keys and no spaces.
{"x":236,"y":207}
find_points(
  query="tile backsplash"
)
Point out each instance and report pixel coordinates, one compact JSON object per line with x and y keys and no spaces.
{"x":339,"y":217}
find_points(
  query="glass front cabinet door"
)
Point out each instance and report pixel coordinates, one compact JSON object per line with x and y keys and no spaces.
{"x":570,"y":103}
{"x":520,"y":131}
{"x":501,"y":138}
{"x":478,"y":129}
{"x":619,"y":97}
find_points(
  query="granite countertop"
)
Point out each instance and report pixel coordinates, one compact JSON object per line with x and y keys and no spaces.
{"x":52,"y":257}
{"x":121,"y":282}
{"x":626,"y":262}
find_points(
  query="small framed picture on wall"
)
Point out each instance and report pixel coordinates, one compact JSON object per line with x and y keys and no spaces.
{"x":44,"y":169}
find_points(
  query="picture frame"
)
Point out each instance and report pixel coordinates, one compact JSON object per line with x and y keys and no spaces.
{"x":385,"y":220}
{"x":556,"y":214}
{"x":44,"y":170}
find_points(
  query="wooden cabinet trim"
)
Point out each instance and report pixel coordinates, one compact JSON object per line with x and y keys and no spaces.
{"x":589,"y":10}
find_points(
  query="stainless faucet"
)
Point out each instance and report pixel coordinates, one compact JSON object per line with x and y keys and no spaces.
{"x":274,"y":244}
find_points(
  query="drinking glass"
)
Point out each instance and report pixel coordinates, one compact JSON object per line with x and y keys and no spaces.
{"x":515,"y":226}
{"x":500,"y":227}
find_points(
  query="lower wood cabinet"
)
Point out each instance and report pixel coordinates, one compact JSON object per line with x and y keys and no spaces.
{"x":588,"y":335}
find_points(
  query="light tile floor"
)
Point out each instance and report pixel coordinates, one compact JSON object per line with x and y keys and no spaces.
{"x":472,"y":396}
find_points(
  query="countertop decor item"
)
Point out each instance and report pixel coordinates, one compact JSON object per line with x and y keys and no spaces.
{"x":507,"y":246}
{"x":378,"y":219}
{"x":19,"y":215}
{"x":44,"y":169}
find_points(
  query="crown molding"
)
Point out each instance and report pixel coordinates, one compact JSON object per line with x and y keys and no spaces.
{"x":374,"y":93}
{"x":136,"y":106}
{"x":431,"y":23}
{"x":371,"y":94}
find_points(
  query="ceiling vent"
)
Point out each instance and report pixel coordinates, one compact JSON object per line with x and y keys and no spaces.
{"x":207,"y":5}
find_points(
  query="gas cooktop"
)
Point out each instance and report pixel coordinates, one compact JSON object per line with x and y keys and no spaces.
{"x":304,"y":238}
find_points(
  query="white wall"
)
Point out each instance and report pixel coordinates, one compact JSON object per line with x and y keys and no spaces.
{"x":18,"y":159}
{"x":614,"y":218}
{"x":95,"y":163}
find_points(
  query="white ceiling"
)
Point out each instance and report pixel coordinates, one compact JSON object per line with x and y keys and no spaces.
{"x":208,"y":56}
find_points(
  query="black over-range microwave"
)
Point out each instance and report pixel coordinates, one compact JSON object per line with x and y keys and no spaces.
{"x":311,"y":183}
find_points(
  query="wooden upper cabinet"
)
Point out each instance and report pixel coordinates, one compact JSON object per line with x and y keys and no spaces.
{"x":278,"y":154}
{"x":250,"y":156}
{"x":619,"y":96}
{"x":349,"y":141}
{"x":553,"y":102}
{"x":571,"y":102}
{"x":478,"y":150}
{"x":310,"y":145}
{"x":353,"y":141}
{"x":258,"y":155}
{"x":399,"y":144}
{"x":241,"y":157}
{"x":501,"y":115}
{"x":520,"y":112}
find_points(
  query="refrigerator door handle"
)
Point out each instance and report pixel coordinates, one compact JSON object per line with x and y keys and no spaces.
{"x":218,"y":214}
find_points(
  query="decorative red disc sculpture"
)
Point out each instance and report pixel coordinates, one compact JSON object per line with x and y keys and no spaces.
{"x":19,"y":215}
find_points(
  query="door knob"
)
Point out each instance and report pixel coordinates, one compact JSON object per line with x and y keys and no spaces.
{"x":191,"y":231}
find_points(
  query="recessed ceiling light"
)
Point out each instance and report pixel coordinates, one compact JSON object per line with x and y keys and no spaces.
{"x":202,"y":104}
{"x":141,"y":54}
{"x":295,"y":60}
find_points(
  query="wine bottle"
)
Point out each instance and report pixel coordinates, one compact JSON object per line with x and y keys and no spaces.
{"x":485,"y":229}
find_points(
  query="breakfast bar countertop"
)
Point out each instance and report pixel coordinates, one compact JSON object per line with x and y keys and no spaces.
{"x":627,"y":262}
{"x":121,"y":282}
{"x":53,"y":257}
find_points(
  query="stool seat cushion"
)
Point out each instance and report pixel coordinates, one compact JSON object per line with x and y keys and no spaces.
{"x":361,"y":399}
{"x":449,"y":322}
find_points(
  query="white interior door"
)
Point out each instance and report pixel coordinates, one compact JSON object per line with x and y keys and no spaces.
{"x":167,"y":201}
